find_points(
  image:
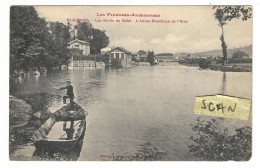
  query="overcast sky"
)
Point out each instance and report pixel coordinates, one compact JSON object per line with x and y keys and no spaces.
{"x":201,"y":33}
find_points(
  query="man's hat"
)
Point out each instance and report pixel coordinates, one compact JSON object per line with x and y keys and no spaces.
{"x":68,"y":81}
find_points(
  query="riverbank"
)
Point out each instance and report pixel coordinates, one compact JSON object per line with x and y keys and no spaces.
{"x":247,"y":67}
{"x":243,"y":67}
{"x":26,"y":114}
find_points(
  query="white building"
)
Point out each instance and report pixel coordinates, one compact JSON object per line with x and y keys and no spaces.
{"x":165,"y":57}
{"x":122,"y":54}
{"x":105,"y":50}
{"x":81,"y":45}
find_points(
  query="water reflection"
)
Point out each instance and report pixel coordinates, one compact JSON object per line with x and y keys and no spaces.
{"x":223,"y":85}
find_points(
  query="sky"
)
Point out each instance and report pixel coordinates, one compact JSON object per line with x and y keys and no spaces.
{"x":200,"y":33}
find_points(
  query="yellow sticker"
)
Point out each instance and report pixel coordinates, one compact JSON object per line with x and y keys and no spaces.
{"x":223,"y":106}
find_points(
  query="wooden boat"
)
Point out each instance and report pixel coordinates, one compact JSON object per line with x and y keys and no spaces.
{"x":64,"y":139}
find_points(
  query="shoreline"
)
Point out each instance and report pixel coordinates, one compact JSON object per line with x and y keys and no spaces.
{"x":31,"y":109}
{"x":225,"y":68}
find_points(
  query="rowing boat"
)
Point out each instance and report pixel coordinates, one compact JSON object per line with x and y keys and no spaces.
{"x":51,"y":136}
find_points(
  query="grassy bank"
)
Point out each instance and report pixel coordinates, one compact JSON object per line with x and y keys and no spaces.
{"x":233,"y":67}
{"x":246,"y":67}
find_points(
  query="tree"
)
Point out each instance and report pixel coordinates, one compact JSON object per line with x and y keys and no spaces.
{"x":106,"y":59}
{"x":57,"y":45}
{"x":151,"y":57}
{"x":227,"y":13}
{"x":239,"y":54}
{"x":219,"y":15}
{"x":27,"y":32}
{"x":213,"y":143}
{"x":99,"y":40}
{"x":231,"y":12}
{"x":84,"y":31}
{"x":204,"y":63}
{"x":133,"y":59}
{"x":140,"y":52}
{"x":34,"y":43}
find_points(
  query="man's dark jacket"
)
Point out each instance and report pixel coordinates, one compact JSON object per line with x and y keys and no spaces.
{"x":69,"y":91}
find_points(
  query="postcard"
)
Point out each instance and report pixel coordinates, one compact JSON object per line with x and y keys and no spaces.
{"x":130,"y":83}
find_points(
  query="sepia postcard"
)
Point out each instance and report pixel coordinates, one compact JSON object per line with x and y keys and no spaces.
{"x":130,"y":83}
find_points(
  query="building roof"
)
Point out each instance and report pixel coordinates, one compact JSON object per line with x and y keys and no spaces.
{"x":164,"y":54}
{"x":80,"y":41}
{"x":121,"y":49}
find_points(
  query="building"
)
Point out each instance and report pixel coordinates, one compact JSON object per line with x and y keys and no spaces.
{"x":142,"y":55}
{"x":81,"y":45}
{"x":79,"y":50}
{"x":105,"y":50}
{"x":165,"y":57}
{"x":121,"y":54}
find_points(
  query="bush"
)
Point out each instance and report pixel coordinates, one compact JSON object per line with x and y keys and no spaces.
{"x":212,"y":143}
{"x":203,"y":63}
{"x":239,"y":54}
{"x":115,"y":63}
{"x":147,"y":152}
{"x":239,"y":60}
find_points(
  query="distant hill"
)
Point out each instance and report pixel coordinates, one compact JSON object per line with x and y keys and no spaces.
{"x":215,"y":53}
{"x":164,"y":54}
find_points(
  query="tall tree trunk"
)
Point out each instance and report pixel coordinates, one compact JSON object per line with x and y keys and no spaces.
{"x":224,"y":47}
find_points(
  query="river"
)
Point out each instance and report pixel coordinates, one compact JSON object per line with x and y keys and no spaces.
{"x":128,"y":107}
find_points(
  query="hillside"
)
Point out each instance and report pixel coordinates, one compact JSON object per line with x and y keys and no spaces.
{"x":215,"y":53}
{"x":246,"y":49}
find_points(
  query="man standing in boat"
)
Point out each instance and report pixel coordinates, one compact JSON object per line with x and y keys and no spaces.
{"x":70,"y":93}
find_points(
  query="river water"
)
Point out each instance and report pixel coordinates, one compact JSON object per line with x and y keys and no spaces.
{"x":128,"y":107}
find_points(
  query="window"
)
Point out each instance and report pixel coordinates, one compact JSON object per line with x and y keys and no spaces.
{"x":117,"y":55}
{"x":123,"y":55}
{"x":112,"y":55}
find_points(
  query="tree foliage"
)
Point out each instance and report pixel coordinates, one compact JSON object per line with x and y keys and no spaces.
{"x":239,"y":54}
{"x":151,"y":57}
{"x":149,"y":153}
{"x":224,"y":48}
{"x":204,"y":63}
{"x":34,"y":43}
{"x":212,"y":143}
{"x":84,"y":31}
{"x":56,"y":45}
{"x":27,"y":32}
{"x":239,"y":12}
{"x":227,"y":13}
{"x":146,"y":152}
{"x":37,"y":44}
{"x":97,"y":38}
{"x":116,"y":63}
{"x":219,"y":15}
